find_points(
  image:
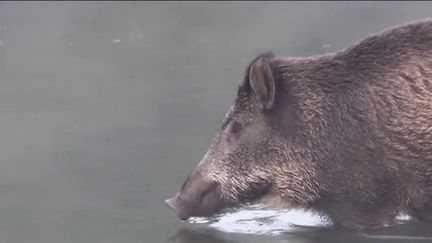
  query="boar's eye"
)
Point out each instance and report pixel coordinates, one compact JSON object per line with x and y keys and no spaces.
{"x":236,"y":127}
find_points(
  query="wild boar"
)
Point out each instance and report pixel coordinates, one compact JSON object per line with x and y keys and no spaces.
{"x":347,"y":135}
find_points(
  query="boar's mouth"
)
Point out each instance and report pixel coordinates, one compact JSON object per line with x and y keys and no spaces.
{"x":201,"y":200}
{"x":204,"y":199}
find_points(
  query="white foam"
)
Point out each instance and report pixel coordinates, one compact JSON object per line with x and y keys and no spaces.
{"x":259,"y":220}
{"x":403,"y":217}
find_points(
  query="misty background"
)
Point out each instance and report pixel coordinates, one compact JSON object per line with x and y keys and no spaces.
{"x":105,"y":107}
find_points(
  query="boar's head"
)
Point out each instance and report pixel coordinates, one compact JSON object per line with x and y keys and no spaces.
{"x":255,"y":156}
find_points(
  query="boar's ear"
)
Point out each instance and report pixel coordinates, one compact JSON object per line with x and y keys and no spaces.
{"x":262,"y":82}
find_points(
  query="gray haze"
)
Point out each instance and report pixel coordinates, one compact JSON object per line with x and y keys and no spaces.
{"x":105,"y":107}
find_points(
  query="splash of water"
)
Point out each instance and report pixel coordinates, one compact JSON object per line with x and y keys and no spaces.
{"x":260,"y":220}
{"x":257,"y":219}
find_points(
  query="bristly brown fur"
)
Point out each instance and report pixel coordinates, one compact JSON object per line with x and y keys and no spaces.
{"x":368,"y":111}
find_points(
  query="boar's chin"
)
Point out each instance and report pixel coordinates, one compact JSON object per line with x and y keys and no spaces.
{"x":202,"y":200}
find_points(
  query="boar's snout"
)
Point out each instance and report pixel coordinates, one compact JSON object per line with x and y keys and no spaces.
{"x":197,"y":198}
{"x":173,"y":203}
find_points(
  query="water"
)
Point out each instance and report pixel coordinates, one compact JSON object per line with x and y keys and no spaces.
{"x":259,"y":220}
{"x":107,"y":106}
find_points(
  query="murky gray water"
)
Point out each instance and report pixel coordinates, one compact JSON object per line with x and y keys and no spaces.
{"x":106,"y":107}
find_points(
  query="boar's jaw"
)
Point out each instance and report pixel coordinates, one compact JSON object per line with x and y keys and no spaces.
{"x":199,"y":199}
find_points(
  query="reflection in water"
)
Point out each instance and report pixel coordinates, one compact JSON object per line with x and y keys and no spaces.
{"x":258,"y":224}
{"x":413,"y":232}
{"x":200,"y":235}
